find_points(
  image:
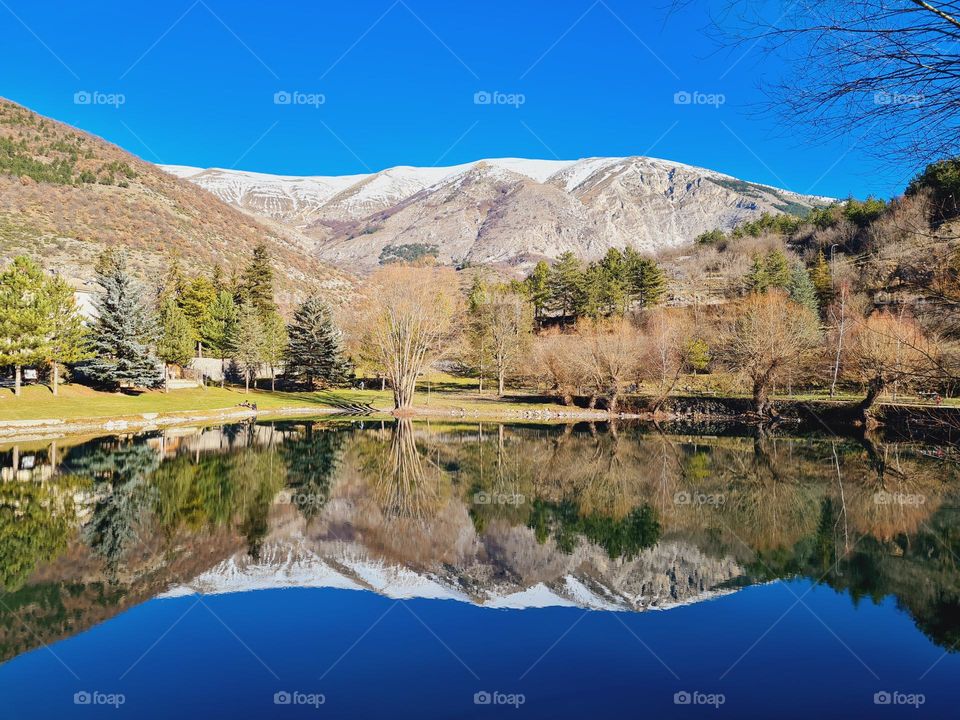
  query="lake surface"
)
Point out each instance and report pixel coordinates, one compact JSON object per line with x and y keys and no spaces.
{"x":424,"y":570}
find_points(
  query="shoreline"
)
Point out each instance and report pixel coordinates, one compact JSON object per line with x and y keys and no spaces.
{"x":710,"y":411}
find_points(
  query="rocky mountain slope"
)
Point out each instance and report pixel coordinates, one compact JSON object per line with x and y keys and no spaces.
{"x":65,"y":195}
{"x":506,"y":210}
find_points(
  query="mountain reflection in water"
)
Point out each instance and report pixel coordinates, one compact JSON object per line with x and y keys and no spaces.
{"x":618,"y":518}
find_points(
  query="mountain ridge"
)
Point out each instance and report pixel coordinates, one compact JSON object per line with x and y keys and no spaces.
{"x":512,"y":211}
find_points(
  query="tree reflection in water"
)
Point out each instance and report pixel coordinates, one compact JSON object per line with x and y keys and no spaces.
{"x":870,"y":518}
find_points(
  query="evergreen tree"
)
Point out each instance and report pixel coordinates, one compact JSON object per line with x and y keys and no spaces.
{"x":124,"y":331}
{"x":248,"y":345}
{"x":566,"y":285}
{"x":801,"y":288}
{"x":778,"y":269}
{"x":648,"y":284}
{"x":314,"y":353}
{"x":758,"y":279}
{"x":175,"y":344}
{"x":219,"y":328}
{"x":195,"y":301}
{"x":256,"y":282}
{"x":25,"y":323}
{"x":822,"y":279}
{"x":538,"y":284}
{"x":68,"y":335}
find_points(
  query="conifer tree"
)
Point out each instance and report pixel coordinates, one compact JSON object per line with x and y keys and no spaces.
{"x":25,"y":323}
{"x":566,"y":285}
{"x":801,"y":288}
{"x":778,"y":269}
{"x":314,"y":353}
{"x":196,"y":298}
{"x":175,"y":344}
{"x":822,"y":279}
{"x":648,"y":284}
{"x":68,"y":335}
{"x":219,"y":329}
{"x":124,"y":331}
{"x":758,"y":279}
{"x":256,"y":282}
{"x":539,"y":289}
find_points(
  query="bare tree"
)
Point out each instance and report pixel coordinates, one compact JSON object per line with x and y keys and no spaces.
{"x":552,"y":363}
{"x":608,"y":356}
{"x":887,"y":68}
{"x":406,"y":322}
{"x":770,"y":339}
{"x":501,"y":328}
{"x":888,"y":349}
{"x":666,"y":335}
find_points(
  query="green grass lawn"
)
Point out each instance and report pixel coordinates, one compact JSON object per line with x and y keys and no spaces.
{"x":437,"y":393}
{"x":76,"y":401}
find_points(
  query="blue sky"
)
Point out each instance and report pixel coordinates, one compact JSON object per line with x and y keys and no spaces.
{"x":398,"y":80}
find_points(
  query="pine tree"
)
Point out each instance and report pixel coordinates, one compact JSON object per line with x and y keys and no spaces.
{"x":314,"y":354}
{"x":256,"y":282}
{"x":539,"y":289}
{"x":566,"y":285}
{"x":68,"y":335}
{"x":25,"y":318}
{"x":197,"y":297}
{"x":801,"y":288}
{"x":648,"y":284}
{"x":758,"y":279}
{"x":778,"y":269}
{"x":248,"y":345}
{"x":124,"y":331}
{"x":175,"y":344}
{"x":219,"y":329}
{"x":822,"y":279}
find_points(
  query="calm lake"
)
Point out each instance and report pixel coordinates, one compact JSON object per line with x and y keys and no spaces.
{"x":424,"y":570}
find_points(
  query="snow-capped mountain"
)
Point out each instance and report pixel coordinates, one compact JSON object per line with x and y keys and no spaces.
{"x":502,"y":210}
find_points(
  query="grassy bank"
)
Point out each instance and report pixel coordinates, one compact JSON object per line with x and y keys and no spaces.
{"x":441,"y":395}
{"x":76,"y":402}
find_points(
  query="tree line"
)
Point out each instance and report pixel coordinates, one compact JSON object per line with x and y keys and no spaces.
{"x":134,"y":335}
